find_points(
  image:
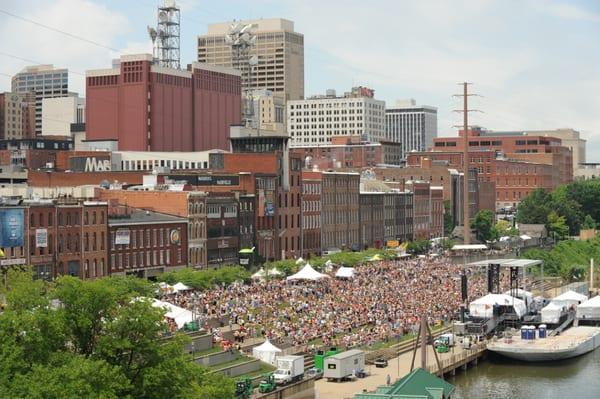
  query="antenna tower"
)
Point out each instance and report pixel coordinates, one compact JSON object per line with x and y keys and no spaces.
{"x":165,"y":38}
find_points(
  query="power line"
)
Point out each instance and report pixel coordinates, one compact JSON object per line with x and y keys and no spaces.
{"x":16,"y":57}
{"x":71,"y":35}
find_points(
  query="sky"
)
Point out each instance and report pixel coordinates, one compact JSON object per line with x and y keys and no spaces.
{"x":534,"y":63}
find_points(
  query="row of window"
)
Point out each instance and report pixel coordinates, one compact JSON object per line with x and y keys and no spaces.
{"x":139,"y":259}
{"x":37,"y":219}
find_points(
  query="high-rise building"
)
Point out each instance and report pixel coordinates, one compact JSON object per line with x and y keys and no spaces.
{"x":43,"y":80}
{"x":17,"y":116}
{"x":280,"y":52}
{"x":147,"y":107}
{"x":313,"y":122}
{"x":415,"y":126}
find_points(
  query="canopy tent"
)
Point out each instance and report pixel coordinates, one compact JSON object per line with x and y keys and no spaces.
{"x":247,"y":251}
{"x":164,"y":287}
{"x":181,"y":316}
{"x":589,"y":309}
{"x":181,"y":287}
{"x":471,"y":247}
{"x":504,"y":238}
{"x":274,"y":272}
{"x":569,"y":298}
{"x":267,"y":352}
{"x":524,"y":237}
{"x":521,"y":294}
{"x":375,"y":258}
{"x":328,"y":265}
{"x":259,"y":274}
{"x":345,"y":272}
{"x":551,"y":313}
{"x":299,"y":260}
{"x":307,"y":273}
{"x":484,"y":306}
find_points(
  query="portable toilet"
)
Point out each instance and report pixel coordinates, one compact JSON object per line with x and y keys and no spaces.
{"x":523,"y":332}
{"x":532,"y":332}
{"x":542,"y":331}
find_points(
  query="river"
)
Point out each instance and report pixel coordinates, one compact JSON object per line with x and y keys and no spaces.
{"x":508,"y":379}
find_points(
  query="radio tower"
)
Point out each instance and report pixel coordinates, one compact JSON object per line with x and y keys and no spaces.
{"x":165,"y":38}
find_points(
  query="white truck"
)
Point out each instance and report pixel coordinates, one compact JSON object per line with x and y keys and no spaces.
{"x":289,"y":369}
{"x":444,"y":339}
{"x":343,"y":365}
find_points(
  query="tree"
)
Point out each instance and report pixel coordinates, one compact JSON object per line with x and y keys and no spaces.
{"x":100,"y":340}
{"x":534,"y":208}
{"x":588,"y":223}
{"x":557,"y":225}
{"x":483,"y":224}
{"x":504,"y":228}
{"x":419,"y":247}
{"x":448,"y":218}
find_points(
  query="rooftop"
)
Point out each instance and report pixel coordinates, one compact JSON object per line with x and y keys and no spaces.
{"x":418,"y":384}
{"x":134,"y":216}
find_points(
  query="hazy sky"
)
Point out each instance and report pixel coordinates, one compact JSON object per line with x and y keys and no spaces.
{"x":535,"y":62}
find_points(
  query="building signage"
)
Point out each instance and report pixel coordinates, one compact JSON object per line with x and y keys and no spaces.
{"x":90,"y":164}
{"x":122,"y":237}
{"x":12,"y":262}
{"x":223,"y":244}
{"x":393,"y":244}
{"x":11,"y":228}
{"x":212,"y":180}
{"x":175,"y":236}
{"x":244,"y":261}
{"x":41,"y":238}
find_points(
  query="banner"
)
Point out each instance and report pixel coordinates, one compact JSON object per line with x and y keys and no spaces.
{"x":11,"y":228}
{"x":122,"y":237}
{"x":175,"y":236}
{"x":41,"y":238}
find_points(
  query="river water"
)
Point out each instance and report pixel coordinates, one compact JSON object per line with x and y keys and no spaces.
{"x":508,"y":379}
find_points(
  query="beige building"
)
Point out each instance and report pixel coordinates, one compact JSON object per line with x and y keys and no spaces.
{"x":280,"y":52}
{"x":269,"y":109}
{"x":17,"y":116}
{"x":59,"y":113}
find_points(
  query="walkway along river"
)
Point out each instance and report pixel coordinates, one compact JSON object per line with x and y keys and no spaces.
{"x":498,"y":377}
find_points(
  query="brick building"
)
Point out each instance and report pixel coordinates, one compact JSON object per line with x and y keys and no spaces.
{"x":17,"y":116}
{"x":60,"y":237}
{"x":340,"y":211}
{"x":151,"y":108}
{"x":145,"y":243}
{"x":351,"y":152}
{"x":428,"y":217}
{"x":222,"y":229}
{"x":372,"y":219}
{"x":186,"y":204}
{"x":311,"y":213}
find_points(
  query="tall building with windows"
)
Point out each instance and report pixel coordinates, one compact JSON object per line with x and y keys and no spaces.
{"x":415,"y":126}
{"x":280,"y":52}
{"x":45,"y":81}
{"x":17,"y":116}
{"x":315,"y":121}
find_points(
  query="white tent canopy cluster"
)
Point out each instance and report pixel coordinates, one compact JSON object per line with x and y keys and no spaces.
{"x":180,"y":315}
{"x":551,"y":313}
{"x":267,"y":352}
{"x":307,"y":273}
{"x":345,"y":272}
{"x":484,"y":306}
{"x":261,"y":274}
{"x":173,"y":289}
{"x":589,"y":309}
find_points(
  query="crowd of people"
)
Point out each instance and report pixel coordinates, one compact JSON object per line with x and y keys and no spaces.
{"x":383,"y":300}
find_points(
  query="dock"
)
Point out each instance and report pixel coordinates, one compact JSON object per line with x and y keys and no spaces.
{"x":462,"y":360}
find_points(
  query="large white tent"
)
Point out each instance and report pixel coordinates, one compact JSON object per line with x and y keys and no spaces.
{"x":267,"y":352}
{"x":179,"y":315}
{"x":484,"y":306}
{"x":307,"y":273}
{"x":551,"y":313}
{"x":181,"y":287}
{"x":589,"y":309}
{"x":569,"y":298}
{"x":521,"y":294}
{"x":345,"y":272}
{"x":259,"y":274}
{"x":274,"y":272}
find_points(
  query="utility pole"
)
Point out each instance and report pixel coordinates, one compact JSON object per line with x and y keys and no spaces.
{"x":465,"y":161}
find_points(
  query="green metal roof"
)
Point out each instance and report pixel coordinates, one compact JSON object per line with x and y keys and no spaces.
{"x":247,"y":250}
{"x":418,"y":384}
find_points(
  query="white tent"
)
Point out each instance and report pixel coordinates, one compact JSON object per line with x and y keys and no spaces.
{"x":551,"y":313}
{"x":267,"y":352}
{"x":308,"y":273}
{"x":299,"y":260}
{"x":164,"y":287}
{"x":522,"y":294}
{"x":569,"y":298}
{"x":484,"y":306}
{"x":589,"y":309}
{"x":525,"y":237}
{"x":328,"y":265}
{"x":259,"y":274}
{"x":179,"y":315}
{"x":274,"y":272}
{"x":345,"y":272}
{"x":181,"y":287}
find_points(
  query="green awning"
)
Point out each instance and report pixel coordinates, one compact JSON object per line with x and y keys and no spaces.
{"x":247,"y":251}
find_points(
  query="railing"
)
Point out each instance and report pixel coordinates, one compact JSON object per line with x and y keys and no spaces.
{"x":454,"y":361}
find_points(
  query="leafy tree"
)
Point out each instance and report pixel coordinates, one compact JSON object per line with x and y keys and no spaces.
{"x":204,"y":279}
{"x":448,"y":219}
{"x":483,"y":224}
{"x":588,"y":223}
{"x":534,"y":208}
{"x":418,"y":247}
{"x":557,"y":225}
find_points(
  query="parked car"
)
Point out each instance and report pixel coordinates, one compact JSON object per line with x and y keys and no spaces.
{"x":314,"y":373}
{"x":380,"y":363}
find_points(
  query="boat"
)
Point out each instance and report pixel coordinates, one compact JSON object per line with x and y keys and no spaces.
{"x":572,"y":342}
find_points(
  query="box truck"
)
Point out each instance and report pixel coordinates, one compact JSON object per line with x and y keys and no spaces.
{"x":289,"y":369}
{"x":344,"y":365}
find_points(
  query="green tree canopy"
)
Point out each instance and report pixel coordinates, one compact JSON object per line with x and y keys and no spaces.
{"x":557,"y":225}
{"x":483,"y":224}
{"x":588,"y":223}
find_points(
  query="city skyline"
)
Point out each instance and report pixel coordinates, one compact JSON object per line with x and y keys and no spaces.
{"x":538,"y":76}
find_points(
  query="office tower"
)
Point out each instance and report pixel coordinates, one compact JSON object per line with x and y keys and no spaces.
{"x":415,"y":126}
{"x":45,"y":81}
{"x":279,"y":49}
